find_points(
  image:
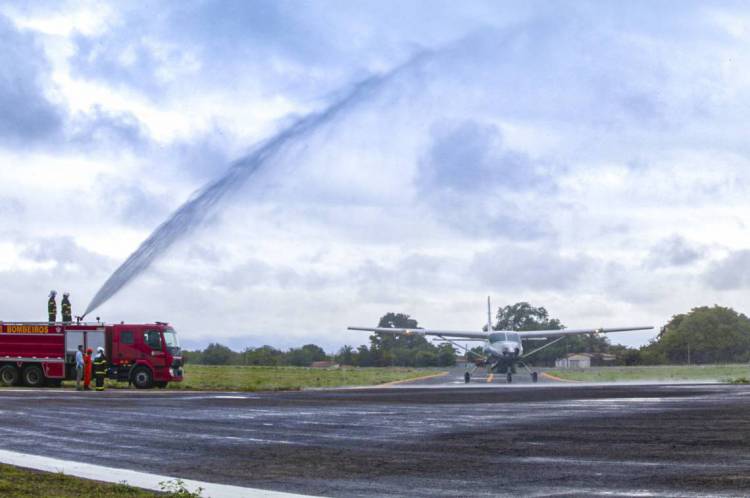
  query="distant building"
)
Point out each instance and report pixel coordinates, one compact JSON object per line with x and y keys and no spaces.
{"x":585,"y":360}
{"x":324,"y":364}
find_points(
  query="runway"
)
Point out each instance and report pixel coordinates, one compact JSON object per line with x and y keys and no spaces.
{"x":434,"y":440}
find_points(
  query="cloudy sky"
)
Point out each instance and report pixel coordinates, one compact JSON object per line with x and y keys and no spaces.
{"x":591,"y":158}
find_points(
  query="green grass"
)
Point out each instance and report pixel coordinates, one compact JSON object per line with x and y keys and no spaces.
{"x":661,"y":372}
{"x":246,"y":378}
{"x":21,"y":483}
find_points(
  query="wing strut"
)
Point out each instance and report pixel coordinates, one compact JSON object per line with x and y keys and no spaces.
{"x":465,"y":348}
{"x":540,"y":348}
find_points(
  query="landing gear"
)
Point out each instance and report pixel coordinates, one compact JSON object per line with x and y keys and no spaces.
{"x":467,"y":378}
{"x":509,"y":377}
{"x":534,"y":375}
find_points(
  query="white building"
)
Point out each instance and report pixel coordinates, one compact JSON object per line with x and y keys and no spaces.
{"x":583,"y":360}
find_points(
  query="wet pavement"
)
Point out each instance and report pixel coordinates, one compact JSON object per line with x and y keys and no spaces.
{"x":486,"y":440}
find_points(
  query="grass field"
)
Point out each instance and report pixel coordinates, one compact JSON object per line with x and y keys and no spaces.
{"x":22,"y":483}
{"x":245,"y":378}
{"x":661,"y":372}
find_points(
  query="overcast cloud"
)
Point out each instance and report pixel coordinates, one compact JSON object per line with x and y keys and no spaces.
{"x":589,"y":157}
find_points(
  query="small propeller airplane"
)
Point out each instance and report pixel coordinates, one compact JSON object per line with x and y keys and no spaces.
{"x":503,"y":349}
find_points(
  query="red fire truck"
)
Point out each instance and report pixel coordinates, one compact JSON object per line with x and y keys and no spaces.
{"x":40,"y":353}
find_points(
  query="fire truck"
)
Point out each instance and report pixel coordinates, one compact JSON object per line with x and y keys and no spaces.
{"x":36,"y":354}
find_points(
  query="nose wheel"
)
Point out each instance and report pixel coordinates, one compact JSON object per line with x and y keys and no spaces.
{"x":509,"y":377}
{"x":467,"y":378}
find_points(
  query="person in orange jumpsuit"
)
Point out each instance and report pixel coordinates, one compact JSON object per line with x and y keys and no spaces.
{"x":87,"y":370}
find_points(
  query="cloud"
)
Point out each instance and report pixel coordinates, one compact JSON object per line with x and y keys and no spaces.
{"x":731,"y":272}
{"x":27,"y":116}
{"x":469,"y":157}
{"x":131,"y":201}
{"x":64,"y":253}
{"x":522,"y":268}
{"x":478,"y":185}
{"x":540,"y":148}
{"x":208,"y":44}
{"x":674,"y":251}
{"x":11,"y":207}
{"x":108,"y":129}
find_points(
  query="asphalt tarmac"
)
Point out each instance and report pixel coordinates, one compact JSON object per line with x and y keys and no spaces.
{"x":435,"y":440}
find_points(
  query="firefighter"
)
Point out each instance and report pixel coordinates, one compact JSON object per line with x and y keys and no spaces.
{"x":67,"y":313}
{"x":100,"y":368}
{"x":52,"y":306}
{"x":87,"y":370}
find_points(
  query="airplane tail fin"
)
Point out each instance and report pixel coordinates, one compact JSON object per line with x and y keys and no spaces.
{"x":489,"y":315}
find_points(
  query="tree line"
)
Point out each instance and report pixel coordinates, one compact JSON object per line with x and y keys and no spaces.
{"x":384,"y":350}
{"x":703,"y":335}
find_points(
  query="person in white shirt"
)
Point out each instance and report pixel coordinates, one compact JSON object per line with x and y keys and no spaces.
{"x":79,"y":368}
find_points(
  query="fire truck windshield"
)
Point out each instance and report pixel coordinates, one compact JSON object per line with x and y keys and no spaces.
{"x":171,"y":341}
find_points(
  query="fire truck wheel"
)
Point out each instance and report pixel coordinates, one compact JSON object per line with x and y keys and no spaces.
{"x":142,"y":378}
{"x":9,"y":375}
{"x":33,"y":376}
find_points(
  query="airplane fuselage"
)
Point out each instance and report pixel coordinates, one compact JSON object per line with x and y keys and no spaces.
{"x":503,"y":348}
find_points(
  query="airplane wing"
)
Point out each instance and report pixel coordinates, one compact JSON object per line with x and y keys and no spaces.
{"x":537,"y":334}
{"x":453,"y":334}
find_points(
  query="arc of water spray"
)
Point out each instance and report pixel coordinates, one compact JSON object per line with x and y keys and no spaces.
{"x":194,"y":211}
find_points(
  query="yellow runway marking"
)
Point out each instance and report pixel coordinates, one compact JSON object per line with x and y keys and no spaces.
{"x":558,"y":379}
{"x":489,"y":379}
{"x":406,"y":381}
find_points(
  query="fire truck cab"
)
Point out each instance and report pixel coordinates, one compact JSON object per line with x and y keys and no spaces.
{"x":40,"y":353}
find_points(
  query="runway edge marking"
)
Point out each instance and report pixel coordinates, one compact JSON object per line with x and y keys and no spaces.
{"x":558,"y":379}
{"x":133,"y":478}
{"x":406,"y":381}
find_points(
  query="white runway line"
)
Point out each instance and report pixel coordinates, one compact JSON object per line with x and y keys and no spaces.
{"x":132,"y":477}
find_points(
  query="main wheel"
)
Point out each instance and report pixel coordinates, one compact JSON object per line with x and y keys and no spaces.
{"x":534,"y":377}
{"x":467,"y":378}
{"x":9,"y":375}
{"x":509,"y":377}
{"x":33,"y":376}
{"x":142,"y":378}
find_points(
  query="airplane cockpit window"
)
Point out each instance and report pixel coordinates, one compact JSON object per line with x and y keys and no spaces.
{"x":512,"y":336}
{"x":497,"y":337}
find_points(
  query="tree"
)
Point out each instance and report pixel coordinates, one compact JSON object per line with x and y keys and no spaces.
{"x":192,"y":356}
{"x":705,"y":334}
{"x":625,"y":356}
{"x":346,"y":355}
{"x":364,"y":357}
{"x":264,"y":355}
{"x":523,"y":316}
{"x":404,"y":350}
{"x":446,"y":355}
{"x":306,"y":355}
{"x":217,"y":354}
{"x":391,"y":349}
